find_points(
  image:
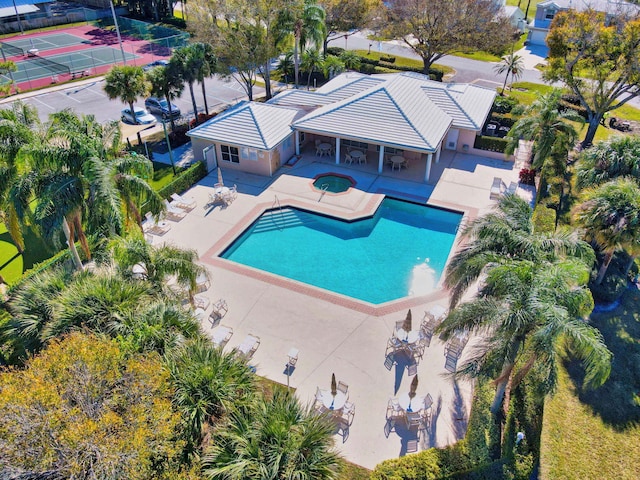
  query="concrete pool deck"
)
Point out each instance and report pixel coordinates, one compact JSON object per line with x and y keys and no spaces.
{"x":335,"y":334}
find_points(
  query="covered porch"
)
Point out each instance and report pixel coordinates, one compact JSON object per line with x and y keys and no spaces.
{"x":370,"y":157}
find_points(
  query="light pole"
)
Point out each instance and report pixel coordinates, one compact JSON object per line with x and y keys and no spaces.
{"x":18,"y":17}
{"x":115,"y":22}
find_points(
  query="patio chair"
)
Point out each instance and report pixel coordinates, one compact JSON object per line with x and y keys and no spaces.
{"x":417,"y":351}
{"x":389,"y":426}
{"x":393,"y":408}
{"x":202,"y":282}
{"x":389,"y":361}
{"x":201,"y":302}
{"x":343,"y":387}
{"x":318,"y":397}
{"x":185,"y":203}
{"x":348,"y":159}
{"x":412,"y":369}
{"x":342,"y":429}
{"x":414,"y":419}
{"x":349,"y":412}
{"x":220,"y":309}
{"x":426,"y":409}
{"x":231,"y":195}
{"x":512,"y":188}
{"x":426,"y":335}
{"x":222,"y":335}
{"x":293,"y":357}
{"x":394,"y":344}
{"x":496,"y":188}
{"x":412,"y":446}
{"x":199,"y":313}
{"x":174,"y":213}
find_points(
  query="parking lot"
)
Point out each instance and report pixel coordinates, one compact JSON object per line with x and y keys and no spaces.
{"x":90,"y":98}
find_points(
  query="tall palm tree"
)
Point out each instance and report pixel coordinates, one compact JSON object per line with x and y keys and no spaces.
{"x":16,"y":130}
{"x":545,"y":126}
{"x":507,"y":234}
{"x":530,"y":312}
{"x":275,"y":439}
{"x":307,"y":23}
{"x":513,"y":65}
{"x":205,"y":68}
{"x":605,"y":161}
{"x":166,"y":82}
{"x":610,"y":214}
{"x":125,"y":83}
{"x":312,"y":61}
{"x":208,"y":383}
{"x":187,"y":61}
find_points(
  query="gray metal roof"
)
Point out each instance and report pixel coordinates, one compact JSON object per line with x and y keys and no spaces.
{"x":254,"y":125}
{"x":608,"y":6}
{"x":406,"y":110}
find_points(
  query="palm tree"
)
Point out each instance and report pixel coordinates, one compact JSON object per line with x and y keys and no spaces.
{"x":512,"y":64}
{"x":16,"y":130}
{"x":208,"y":383}
{"x":332,"y":66}
{"x":285,"y":66}
{"x":605,"y":161}
{"x":159,"y":263}
{"x":350,"y":59}
{"x":166,"y":82}
{"x":610,"y":214}
{"x":507,"y":234}
{"x":308,"y":26}
{"x":125,"y":83}
{"x":530,"y":312}
{"x":275,"y":439}
{"x":187,"y":61}
{"x":312,"y":61}
{"x":547,"y":127}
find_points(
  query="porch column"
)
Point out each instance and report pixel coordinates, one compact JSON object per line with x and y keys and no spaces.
{"x":337,"y":151}
{"x":438,"y":153}
{"x":381,"y":159}
{"x":297,"y":140}
{"x":428,"y":171}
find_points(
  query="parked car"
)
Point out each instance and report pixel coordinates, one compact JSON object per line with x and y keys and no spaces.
{"x":157,"y":63}
{"x":160,"y":106}
{"x":141,"y":115}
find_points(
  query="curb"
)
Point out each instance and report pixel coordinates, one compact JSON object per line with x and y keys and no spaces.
{"x":55,"y":88}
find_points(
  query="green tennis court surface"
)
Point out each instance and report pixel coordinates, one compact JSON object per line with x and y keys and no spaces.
{"x":33,"y":68}
{"x":45,"y":42}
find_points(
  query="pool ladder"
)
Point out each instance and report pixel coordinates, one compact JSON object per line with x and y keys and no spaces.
{"x":274,"y":205}
{"x":324,"y":187}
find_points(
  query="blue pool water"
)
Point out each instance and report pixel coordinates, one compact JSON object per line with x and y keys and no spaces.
{"x":400,"y":251}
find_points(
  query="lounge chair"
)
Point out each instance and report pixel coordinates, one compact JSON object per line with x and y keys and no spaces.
{"x":512,"y":188}
{"x":248,"y":346}
{"x":496,"y":188}
{"x":220,"y":309}
{"x":202,"y":282}
{"x":174,"y":213}
{"x":185,"y":203}
{"x":151,"y":225}
{"x":222,"y":335}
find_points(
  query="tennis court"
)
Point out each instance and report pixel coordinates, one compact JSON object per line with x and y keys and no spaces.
{"x":33,"y":68}
{"x":45,"y":42}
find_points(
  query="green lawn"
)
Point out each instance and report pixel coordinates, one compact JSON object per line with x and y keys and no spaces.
{"x":162,"y":175}
{"x":589,"y":432}
{"x":12,"y":264}
{"x":531,"y":14}
{"x":402,"y":61}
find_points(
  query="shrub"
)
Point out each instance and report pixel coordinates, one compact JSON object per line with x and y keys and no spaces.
{"x":579,"y":109}
{"x":503,"y":104}
{"x":337,"y":51}
{"x":527,"y":176}
{"x":184,"y":180}
{"x":367,"y":68}
{"x":176,"y":22}
{"x":388,"y":59}
{"x":544,"y":219}
{"x":421,"y":466}
{"x":490,"y":144}
{"x":505,"y":120}
{"x":570,"y":98}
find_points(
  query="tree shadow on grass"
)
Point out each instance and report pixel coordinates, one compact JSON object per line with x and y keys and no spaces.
{"x":617,"y":402}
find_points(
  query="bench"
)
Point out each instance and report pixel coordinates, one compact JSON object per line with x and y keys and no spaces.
{"x":80,"y":74}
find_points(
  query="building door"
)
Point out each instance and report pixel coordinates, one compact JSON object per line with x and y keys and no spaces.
{"x":210,"y":159}
{"x":452,"y":139}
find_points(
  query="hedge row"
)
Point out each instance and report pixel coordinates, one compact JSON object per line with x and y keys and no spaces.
{"x":505,"y":120}
{"x":491,"y":144}
{"x":184,"y":180}
{"x":60,"y":258}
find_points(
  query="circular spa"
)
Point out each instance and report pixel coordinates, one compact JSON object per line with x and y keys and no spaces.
{"x":333,"y":183}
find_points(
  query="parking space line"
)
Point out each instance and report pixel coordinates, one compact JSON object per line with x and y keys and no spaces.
{"x":42,"y":103}
{"x":66,"y":94}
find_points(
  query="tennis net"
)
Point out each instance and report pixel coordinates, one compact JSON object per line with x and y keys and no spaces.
{"x":11,"y":50}
{"x":55,"y":67}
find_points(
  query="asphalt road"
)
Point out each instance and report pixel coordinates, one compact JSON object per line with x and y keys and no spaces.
{"x":89,"y":98}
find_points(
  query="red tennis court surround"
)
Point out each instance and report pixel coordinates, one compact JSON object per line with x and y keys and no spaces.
{"x":63,"y":45}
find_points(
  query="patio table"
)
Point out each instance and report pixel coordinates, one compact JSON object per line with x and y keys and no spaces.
{"x":397,"y":161}
{"x":331,"y":402}
{"x":325,"y":148}
{"x":408,"y":404}
{"x":408,"y":337}
{"x":358,"y":156}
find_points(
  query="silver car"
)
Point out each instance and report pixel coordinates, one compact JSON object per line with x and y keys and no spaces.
{"x":142,"y":117}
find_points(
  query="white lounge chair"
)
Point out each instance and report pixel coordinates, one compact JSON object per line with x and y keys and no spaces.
{"x":512,"y":188}
{"x":248,"y":346}
{"x":185,"y":203}
{"x":151,"y":225}
{"x":174,"y":213}
{"x":496,"y":188}
{"x":221,"y":335}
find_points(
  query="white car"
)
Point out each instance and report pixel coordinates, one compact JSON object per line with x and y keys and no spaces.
{"x":142,"y":116}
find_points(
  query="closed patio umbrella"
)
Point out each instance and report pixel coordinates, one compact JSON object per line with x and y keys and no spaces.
{"x":413,"y":387}
{"x":220,"y":181}
{"x":406,"y":326}
{"x":334,"y":386}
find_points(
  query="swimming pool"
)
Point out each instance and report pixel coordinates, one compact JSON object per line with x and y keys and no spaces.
{"x":400,"y":251}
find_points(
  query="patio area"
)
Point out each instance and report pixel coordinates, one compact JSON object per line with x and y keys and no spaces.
{"x":331,"y":333}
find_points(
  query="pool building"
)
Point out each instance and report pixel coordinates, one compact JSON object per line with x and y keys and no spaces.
{"x":382,"y":116}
